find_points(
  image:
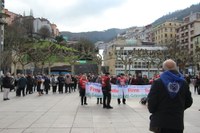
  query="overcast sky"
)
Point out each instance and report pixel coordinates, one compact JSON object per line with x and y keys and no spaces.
{"x":97,"y":15}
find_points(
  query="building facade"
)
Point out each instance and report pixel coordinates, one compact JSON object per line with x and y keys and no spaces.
{"x":55,"y":31}
{"x":186,"y":32}
{"x":115,"y":53}
{"x":165,"y":32}
{"x":9,"y":20}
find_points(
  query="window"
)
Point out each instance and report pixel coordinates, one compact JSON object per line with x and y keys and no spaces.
{"x":192,"y":32}
{"x":118,"y":64}
{"x":191,"y":25}
{"x":191,"y":46}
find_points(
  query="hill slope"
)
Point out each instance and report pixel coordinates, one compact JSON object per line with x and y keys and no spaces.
{"x":94,"y":36}
{"x":178,"y":15}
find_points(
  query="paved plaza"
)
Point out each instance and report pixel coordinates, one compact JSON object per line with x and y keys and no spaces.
{"x":62,"y":113}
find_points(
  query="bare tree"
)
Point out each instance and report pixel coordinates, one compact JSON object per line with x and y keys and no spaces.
{"x":44,"y":32}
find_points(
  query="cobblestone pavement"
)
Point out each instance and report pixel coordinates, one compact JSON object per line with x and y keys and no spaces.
{"x":62,"y":113}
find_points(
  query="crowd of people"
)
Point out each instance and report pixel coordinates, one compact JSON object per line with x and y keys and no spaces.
{"x":40,"y":83}
{"x":167,"y":100}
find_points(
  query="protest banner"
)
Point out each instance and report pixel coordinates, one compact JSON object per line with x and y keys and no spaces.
{"x":117,"y":91}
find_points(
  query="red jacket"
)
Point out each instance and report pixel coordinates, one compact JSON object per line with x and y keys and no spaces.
{"x":82,"y":83}
{"x":122,"y":80}
{"x":106,"y":86}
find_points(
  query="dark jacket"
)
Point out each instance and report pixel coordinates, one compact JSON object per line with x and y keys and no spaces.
{"x":7,"y":82}
{"x":22,"y":82}
{"x":30,"y":81}
{"x":168,"y":112}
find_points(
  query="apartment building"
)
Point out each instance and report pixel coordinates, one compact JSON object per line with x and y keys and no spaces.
{"x":146,"y":34}
{"x":186,"y":33}
{"x":166,"y":32}
{"x":55,"y":31}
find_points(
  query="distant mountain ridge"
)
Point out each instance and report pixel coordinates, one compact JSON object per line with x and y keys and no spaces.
{"x":109,"y":34}
{"x":94,"y":36}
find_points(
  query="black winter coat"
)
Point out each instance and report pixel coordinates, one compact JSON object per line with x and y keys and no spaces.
{"x":7,"y":82}
{"x":168,"y":112}
{"x":22,"y":82}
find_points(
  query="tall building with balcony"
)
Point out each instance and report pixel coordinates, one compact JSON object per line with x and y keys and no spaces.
{"x":166,"y":32}
{"x":187,"y":32}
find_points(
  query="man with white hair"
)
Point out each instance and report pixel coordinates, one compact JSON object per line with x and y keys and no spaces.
{"x":7,"y":83}
{"x":168,"y":98}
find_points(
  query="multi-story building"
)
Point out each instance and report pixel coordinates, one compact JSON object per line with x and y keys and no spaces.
{"x":166,"y":32}
{"x":55,"y":31}
{"x":12,"y":16}
{"x":135,"y":65}
{"x":146,"y":34}
{"x":38,"y":23}
{"x":188,"y":31}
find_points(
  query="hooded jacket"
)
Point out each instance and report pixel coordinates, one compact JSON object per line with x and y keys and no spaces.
{"x":168,"y":98}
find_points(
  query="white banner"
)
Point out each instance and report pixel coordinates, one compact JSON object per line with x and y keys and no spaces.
{"x":117,"y":91}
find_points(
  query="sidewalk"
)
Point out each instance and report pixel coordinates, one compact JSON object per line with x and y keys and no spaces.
{"x":62,"y":113}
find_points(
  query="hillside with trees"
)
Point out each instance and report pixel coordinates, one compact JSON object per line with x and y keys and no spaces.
{"x":93,"y":36}
{"x":178,"y":15}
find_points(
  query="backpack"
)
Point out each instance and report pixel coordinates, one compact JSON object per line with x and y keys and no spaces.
{"x":143,"y":100}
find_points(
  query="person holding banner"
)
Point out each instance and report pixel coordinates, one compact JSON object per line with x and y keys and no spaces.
{"x":99,"y":99}
{"x":106,"y":89}
{"x":122,"y":81}
{"x":82,"y":84}
{"x":168,"y":98}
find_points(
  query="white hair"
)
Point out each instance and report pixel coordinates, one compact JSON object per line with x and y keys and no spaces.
{"x":169,"y":65}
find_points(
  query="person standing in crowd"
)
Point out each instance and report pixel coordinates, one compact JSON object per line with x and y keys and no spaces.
{"x":106,"y":89}
{"x":82,"y":84}
{"x":99,"y":99}
{"x":1,"y":82}
{"x":74,"y":83}
{"x":196,"y":84}
{"x":68,"y":83}
{"x":54,"y":83}
{"x":168,"y":98}
{"x":61,"y":82}
{"x":113,"y":79}
{"x":122,"y":81}
{"x":13,"y":83}
{"x":187,"y":78}
{"x":145,"y":80}
{"x":132,"y":80}
{"x":39,"y":85}
{"x":47,"y":83}
{"x":21,"y":85}
{"x":18,"y":91}
{"x":30,"y":83}
{"x":7,"y":83}
{"x":139,"y":79}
